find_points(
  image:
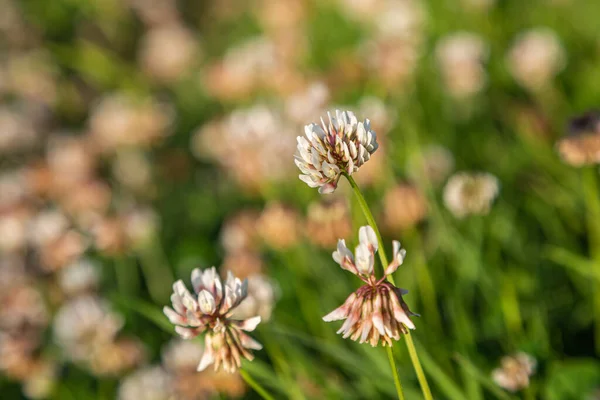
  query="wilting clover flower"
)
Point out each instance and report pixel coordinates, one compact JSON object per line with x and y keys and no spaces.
{"x":376,"y":310}
{"x":209,"y":310}
{"x":515,"y":370}
{"x":581,"y":145}
{"x":328,"y":150}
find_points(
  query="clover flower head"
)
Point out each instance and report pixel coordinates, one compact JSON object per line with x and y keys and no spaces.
{"x":209,"y":311}
{"x":470,"y":193}
{"x":581,"y":145}
{"x":515,"y":371}
{"x":376,"y":310}
{"x":328,"y":150}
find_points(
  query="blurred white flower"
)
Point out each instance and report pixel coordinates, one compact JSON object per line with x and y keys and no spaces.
{"x":84,"y":325}
{"x":536,"y":58}
{"x":167,"y":52}
{"x":148,"y":383}
{"x":327,"y":151}
{"x":120,"y":121}
{"x":279,"y":226}
{"x":461,"y":56}
{"x":515,"y":371}
{"x":250,"y":144}
{"x":79,"y":277}
{"x":309,"y":103}
{"x":376,"y":311}
{"x":210,"y":311}
{"x":18,"y":133}
{"x":470,"y":193}
{"x":434,"y":164}
{"x":133,"y":170}
{"x":182,"y":355}
{"x":13,"y":187}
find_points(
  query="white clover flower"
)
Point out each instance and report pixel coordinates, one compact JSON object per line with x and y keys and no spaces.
{"x":149,"y":383}
{"x":470,"y":193}
{"x":536,"y":58}
{"x":209,"y":310}
{"x":376,"y":310}
{"x":84,"y":324}
{"x":515,"y":370}
{"x":328,"y":150}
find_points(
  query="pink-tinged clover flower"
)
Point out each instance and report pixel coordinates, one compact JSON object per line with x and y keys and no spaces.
{"x":209,"y":311}
{"x":376,"y":310}
{"x":328,"y":150}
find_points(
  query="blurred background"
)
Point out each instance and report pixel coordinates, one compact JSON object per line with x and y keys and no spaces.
{"x":140,"y":139}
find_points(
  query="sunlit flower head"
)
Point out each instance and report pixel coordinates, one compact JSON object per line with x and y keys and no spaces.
{"x":376,"y":310}
{"x":209,"y":311}
{"x":470,"y":193}
{"x":514,"y":372}
{"x":328,"y":150}
{"x":581,"y":145}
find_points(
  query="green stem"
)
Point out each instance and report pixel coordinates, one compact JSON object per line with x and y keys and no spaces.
{"x":255,"y":385}
{"x":590,"y":187}
{"x":384,"y":263}
{"x":390,"y":354}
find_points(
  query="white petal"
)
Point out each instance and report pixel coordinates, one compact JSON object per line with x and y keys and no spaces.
{"x":207,"y":359}
{"x":328,"y":188}
{"x":173,"y":317}
{"x":249,"y":343}
{"x":206,"y":301}
{"x":366,"y":235}
{"x":250,"y":324}
{"x":364,"y":260}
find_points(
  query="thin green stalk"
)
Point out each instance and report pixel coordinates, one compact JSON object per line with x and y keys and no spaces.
{"x":412,"y":351}
{"x":390,"y":354}
{"x":592,"y":205}
{"x":382,"y":256}
{"x":255,"y":385}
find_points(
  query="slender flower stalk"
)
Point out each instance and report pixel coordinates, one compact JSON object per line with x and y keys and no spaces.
{"x":255,"y":385}
{"x":409,"y":342}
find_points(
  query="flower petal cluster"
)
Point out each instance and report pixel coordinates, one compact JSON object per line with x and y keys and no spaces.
{"x":376,"y":311}
{"x":209,"y":311}
{"x":328,"y":150}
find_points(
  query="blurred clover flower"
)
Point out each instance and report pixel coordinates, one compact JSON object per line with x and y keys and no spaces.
{"x":328,"y":151}
{"x":460,"y":57}
{"x":327,"y":220}
{"x":376,"y":310}
{"x":536,"y":58}
{"x":180,"y":359}
{"x":514,"y":372}
{"x":404,"y":206}
{"x":151,"y":382}
{"x":470,"y":193}
{"x":210,"y":311}
{"x":581,"y":146}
